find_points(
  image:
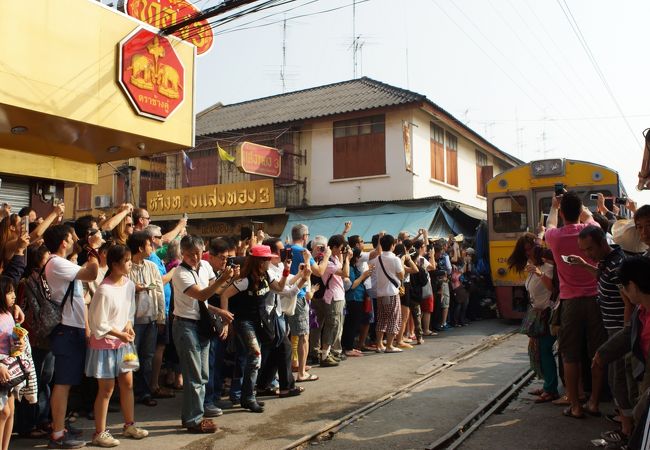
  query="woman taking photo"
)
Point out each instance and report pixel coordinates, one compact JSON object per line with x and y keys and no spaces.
{"x":527,"y":257}
{"x":245,"y":298}
{"x":111,"y":330}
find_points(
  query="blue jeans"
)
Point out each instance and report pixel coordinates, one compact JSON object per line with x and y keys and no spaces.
{"x":215,"y":378}
{"x":247,"y":340}
{"x":193,"y":354}
{"x":145,"y":343}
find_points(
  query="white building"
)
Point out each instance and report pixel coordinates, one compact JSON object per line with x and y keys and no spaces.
{"x":359,"y":142}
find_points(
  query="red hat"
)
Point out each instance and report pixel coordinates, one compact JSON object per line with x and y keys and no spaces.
{"x":261,"y":251}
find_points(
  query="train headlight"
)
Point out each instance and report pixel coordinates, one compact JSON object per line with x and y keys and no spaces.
{"x":547,"y":167}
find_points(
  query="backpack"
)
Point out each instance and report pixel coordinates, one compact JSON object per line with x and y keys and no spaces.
{"x":42,"y":314}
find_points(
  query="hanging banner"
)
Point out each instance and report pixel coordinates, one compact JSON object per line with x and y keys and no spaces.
{"x":408,"y":154}
{"x":165,"y":13}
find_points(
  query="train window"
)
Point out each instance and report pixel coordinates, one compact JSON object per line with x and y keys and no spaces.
{"x":510,"y":214}
{"x":545,"y":207}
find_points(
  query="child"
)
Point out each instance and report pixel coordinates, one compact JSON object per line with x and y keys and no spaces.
{"x":110,"y":319}
{"x":7,"y":323}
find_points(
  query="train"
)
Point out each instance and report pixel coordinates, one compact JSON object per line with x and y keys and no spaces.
{"x":519,"y":199}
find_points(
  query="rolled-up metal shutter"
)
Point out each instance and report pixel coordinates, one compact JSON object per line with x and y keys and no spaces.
{"x":15,"y":192}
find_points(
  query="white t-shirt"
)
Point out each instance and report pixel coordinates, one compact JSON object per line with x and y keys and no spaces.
{"x":112,"y":306}
{"x":362,"y":266}
{"x":59,"y":272}
{"x":393,"y":266}
{"x":540,"y":295}
{"x":183,"y":279}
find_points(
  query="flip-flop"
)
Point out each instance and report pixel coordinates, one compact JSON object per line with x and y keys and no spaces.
{"x":311,"y":377}
{"x":568,"y":413}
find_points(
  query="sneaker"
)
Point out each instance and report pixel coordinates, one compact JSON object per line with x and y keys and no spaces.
{"x":212,"y":411}
{"x":104,"y":439}
{"x":134,"y":432}
{"x":65,"y":442}
{"x":329,"y":362}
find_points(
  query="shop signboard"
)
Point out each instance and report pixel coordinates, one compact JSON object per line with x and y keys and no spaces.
{"x":217,"y":197}
{"x":151,"y":74}
{"x":258,"y":159}
{"x":165,"y":13}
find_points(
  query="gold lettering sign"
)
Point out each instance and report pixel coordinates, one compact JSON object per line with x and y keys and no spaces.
{"x":215,"y":197}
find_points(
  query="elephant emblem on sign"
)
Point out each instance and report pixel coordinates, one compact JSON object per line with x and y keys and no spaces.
{"x":142,"y":69}
{"x":168,"y":81}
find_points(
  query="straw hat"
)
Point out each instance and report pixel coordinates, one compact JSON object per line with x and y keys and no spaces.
{"x":625,"y":234}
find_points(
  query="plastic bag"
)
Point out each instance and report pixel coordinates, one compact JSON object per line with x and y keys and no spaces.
{"x":130,"y":359}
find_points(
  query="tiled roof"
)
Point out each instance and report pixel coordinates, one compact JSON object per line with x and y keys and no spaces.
{"x":333,"y":99}
{"x":354,"y":95}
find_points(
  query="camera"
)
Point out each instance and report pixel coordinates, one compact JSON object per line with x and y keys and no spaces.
{"x":620,"y":200}
{"x":593,"y":196}
{"x":559,"y":189}
{"x":230,"y":261}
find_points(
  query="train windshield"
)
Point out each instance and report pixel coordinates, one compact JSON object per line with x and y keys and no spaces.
{"x":510,"y":214}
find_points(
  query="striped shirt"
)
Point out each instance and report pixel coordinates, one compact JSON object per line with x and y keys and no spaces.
{"x":609,"y":296}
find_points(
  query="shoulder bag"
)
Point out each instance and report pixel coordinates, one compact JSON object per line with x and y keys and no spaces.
{"x":393,"y":282}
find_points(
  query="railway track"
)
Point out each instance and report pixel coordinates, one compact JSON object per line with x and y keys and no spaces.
{"x":331,"y":429}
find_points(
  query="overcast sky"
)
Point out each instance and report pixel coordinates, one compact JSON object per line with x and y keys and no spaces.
{"x":513,"y":70}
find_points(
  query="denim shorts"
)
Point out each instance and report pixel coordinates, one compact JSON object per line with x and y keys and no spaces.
{"x":68,"y":346}
{"x":106,"y":363}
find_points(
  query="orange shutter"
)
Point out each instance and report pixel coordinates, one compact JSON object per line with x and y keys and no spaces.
{"x":452,"y":167}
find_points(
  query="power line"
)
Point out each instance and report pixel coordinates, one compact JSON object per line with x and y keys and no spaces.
{"x":585,"y":46}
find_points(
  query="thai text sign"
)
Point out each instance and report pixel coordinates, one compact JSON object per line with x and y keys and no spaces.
{"x":165,"y":13}
{"x":216,"y":197}
{"x":151,"y":74}
{"x":258,"y":159}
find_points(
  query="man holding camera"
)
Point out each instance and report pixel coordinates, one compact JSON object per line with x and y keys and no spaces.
{"x":581,"y":319}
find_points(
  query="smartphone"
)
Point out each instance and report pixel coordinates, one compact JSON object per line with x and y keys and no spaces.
{"x":230,"y":261}
{"x":24,"y":224}
{"x":568,"y":259}
{"x":620,"y":200}
{"x":301,"y":267}
{"x":593,"y":196}
{"x":559,"y":189}
{"x":245,"y":233}
{"x":185,"y":216}
{"x":287,"y":254}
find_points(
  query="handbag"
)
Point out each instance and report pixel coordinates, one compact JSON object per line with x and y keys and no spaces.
{"x":18,"y":372}
{"x":210,"y":324}
{"x":399,"y":286}
{"x":367,"y":304}
{"x":535,"y":324}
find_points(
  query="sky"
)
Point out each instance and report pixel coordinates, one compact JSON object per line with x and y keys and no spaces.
{"x":516,"y":71}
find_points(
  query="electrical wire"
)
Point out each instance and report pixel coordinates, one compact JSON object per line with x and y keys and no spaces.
{"x":585,"y":46}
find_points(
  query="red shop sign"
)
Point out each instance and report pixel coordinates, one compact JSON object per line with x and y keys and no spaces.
{"x":164,"y":13}
{"x":258,"y":159}
{"x":151,"y":74}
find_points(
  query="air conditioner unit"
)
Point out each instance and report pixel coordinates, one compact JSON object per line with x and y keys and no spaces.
{"x":102,"y":201}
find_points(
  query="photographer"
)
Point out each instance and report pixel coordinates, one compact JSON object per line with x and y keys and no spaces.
{"x":338,"y":267}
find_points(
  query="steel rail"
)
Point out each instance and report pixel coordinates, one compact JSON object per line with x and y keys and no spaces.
{"x":328,"y":431}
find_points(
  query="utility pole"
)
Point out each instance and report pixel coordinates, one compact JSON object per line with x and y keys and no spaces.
{"x":221,"y":8}
{"x":284,"y":54}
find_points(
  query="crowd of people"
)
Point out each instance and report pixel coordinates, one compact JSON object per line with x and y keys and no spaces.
{"x":587,"y":278}
{"x":108,"y":300}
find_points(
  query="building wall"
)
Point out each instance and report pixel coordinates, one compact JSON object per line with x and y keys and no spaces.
{"x":322,"y":189}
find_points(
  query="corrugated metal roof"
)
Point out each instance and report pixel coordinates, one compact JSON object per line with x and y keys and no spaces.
{"x":354,"y":95}
{"x":360,"y":94}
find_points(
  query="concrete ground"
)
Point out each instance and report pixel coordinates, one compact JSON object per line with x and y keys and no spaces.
{"x":339,"y":391}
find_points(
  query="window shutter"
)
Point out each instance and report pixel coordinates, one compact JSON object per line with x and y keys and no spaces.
{"x":452,"y":167}
{"x":486,"y":175}
{"x":84,"y":201}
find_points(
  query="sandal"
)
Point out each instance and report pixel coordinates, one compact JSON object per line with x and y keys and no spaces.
{"x":268,"y":392}
{"x":203,"y":427}
{"x":292,"y":392}
{"x":546,"y":397}
{"x":591,"y":412}
{"x":162,"y":393}
{"x":310,"y":377}
{"x":148,"y":401}
{"x":568,"y":413}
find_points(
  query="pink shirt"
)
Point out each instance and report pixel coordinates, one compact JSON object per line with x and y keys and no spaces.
{"x":335,"y":290}
{"x":574,"y":281}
